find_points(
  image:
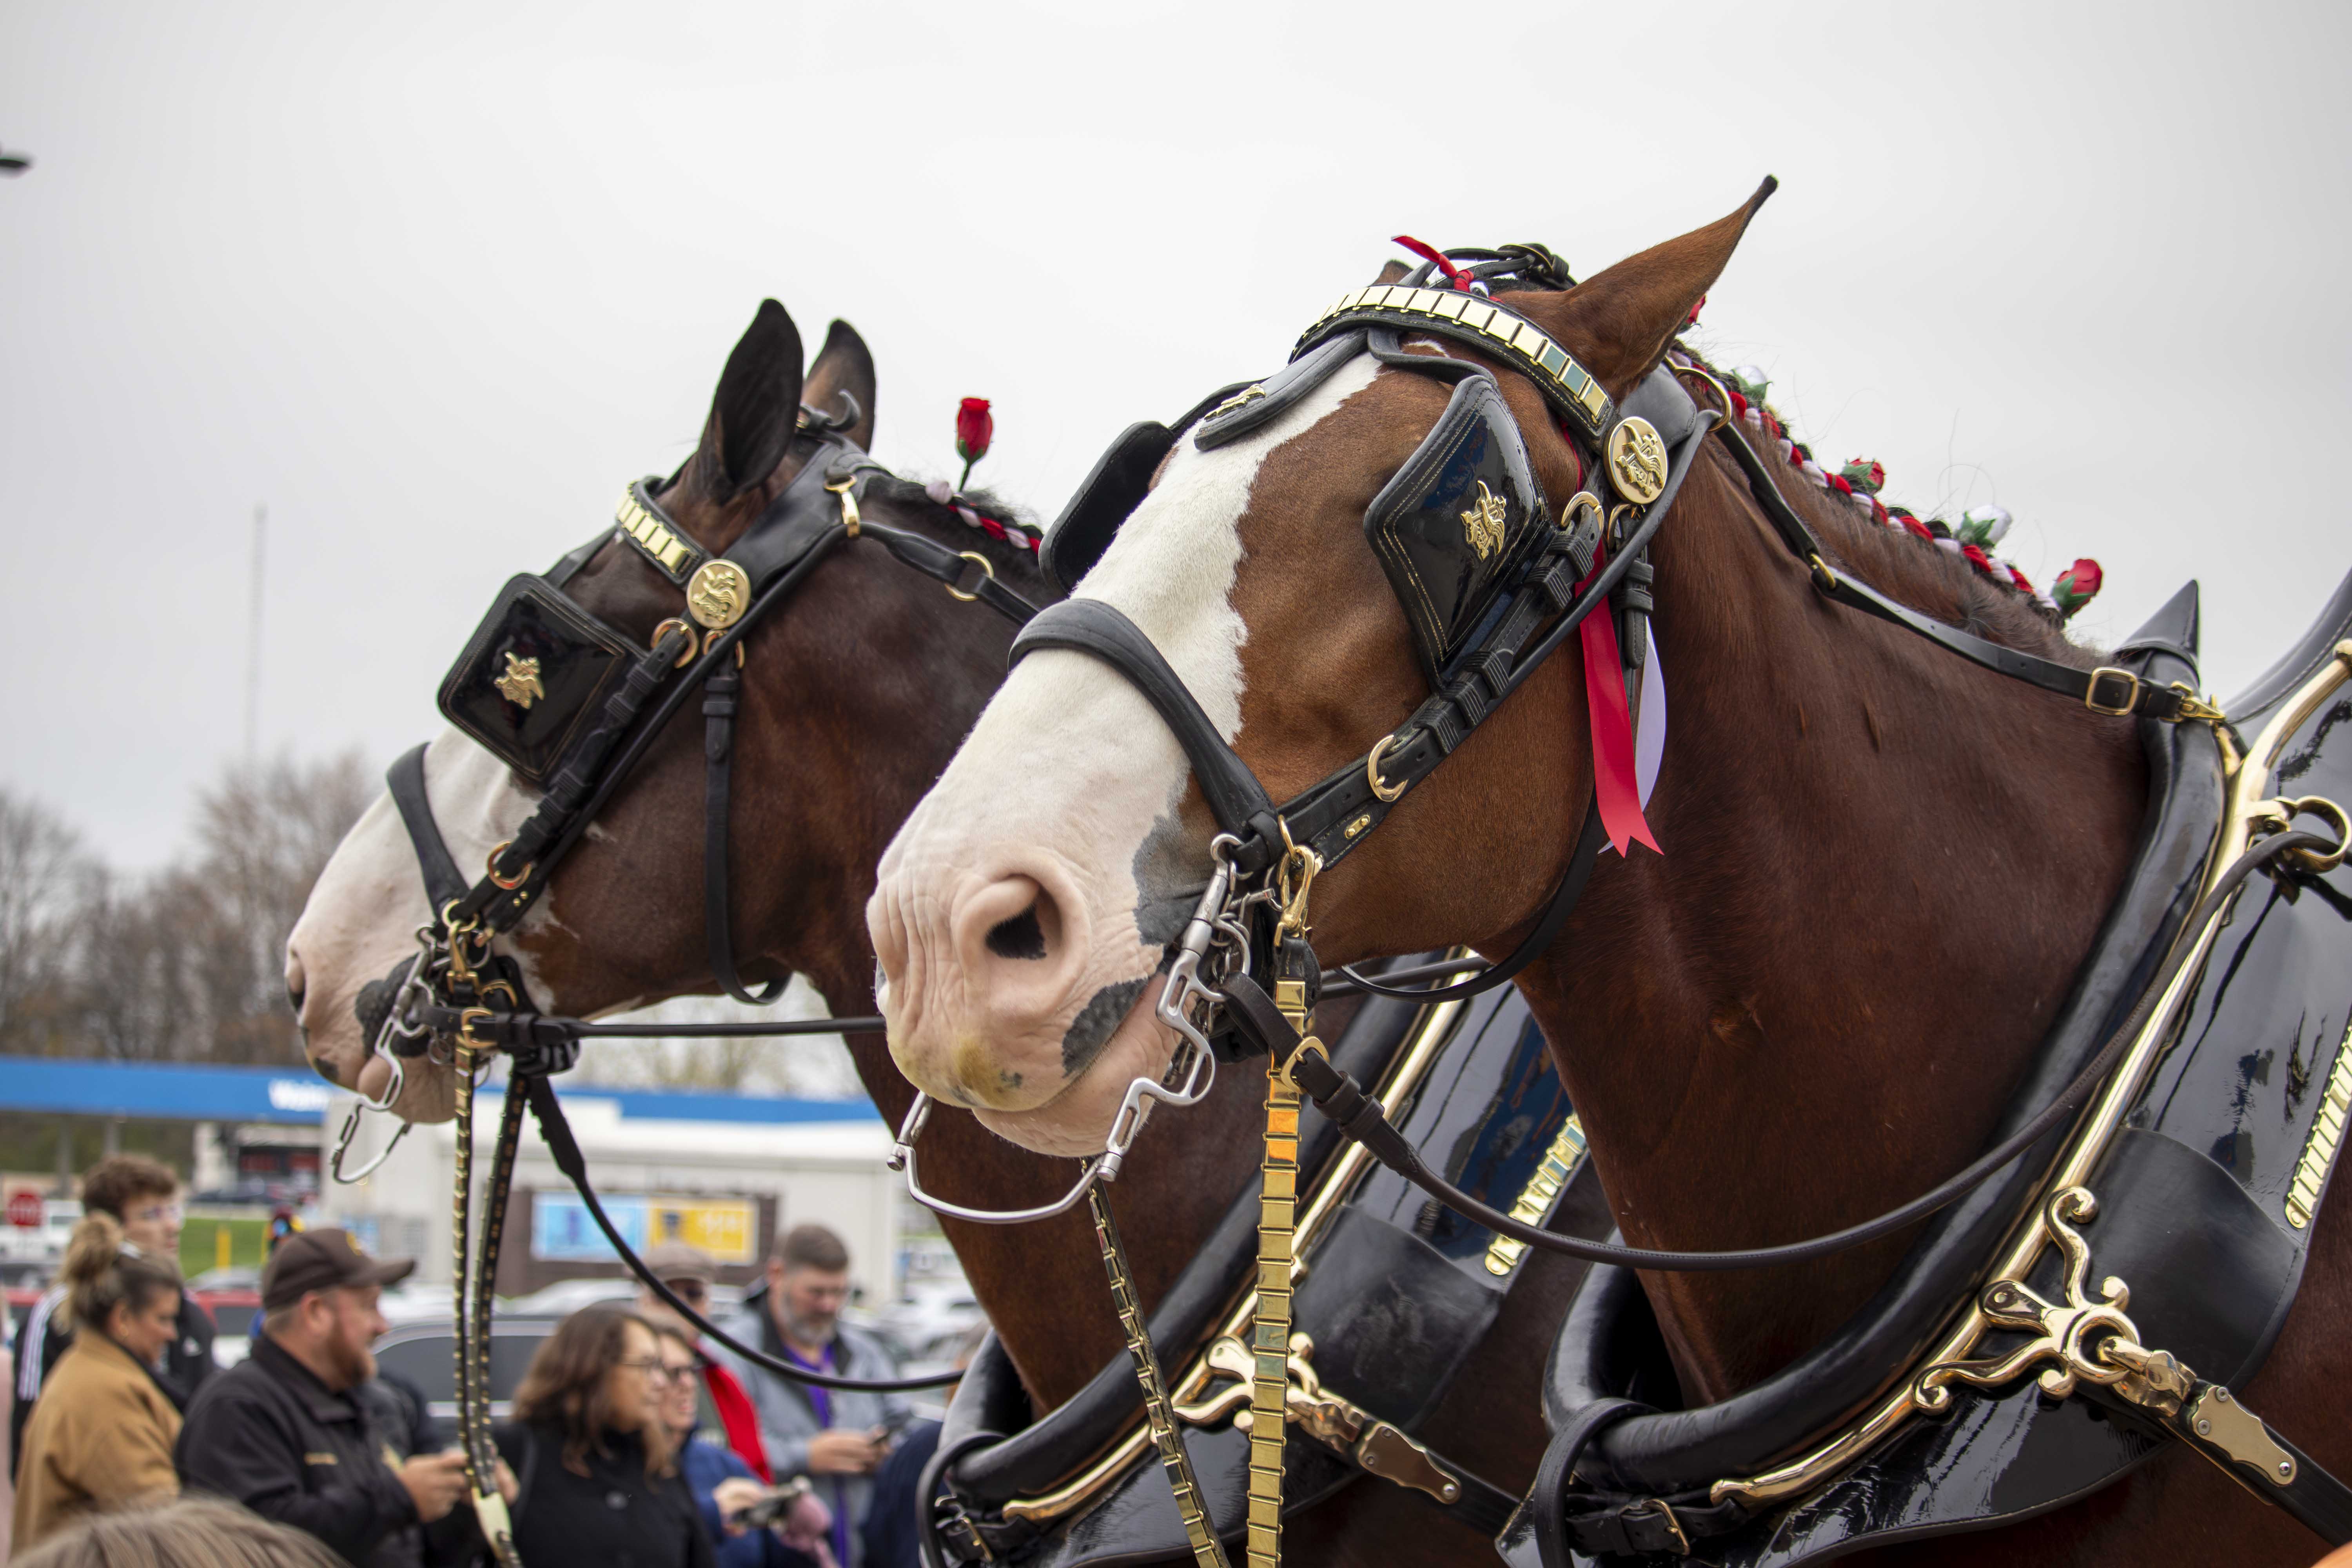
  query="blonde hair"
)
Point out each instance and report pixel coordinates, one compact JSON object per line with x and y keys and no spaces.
{"x":192,"y":1532}
{"x":99,"y":1276}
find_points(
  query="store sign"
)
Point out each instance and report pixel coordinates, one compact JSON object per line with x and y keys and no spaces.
{"x":24,"y":1208}
{"x":562,"y":1231}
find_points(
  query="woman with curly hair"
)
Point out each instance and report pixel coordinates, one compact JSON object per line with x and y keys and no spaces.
{"x":103,"y":1431}
{"x":597,"y":1480}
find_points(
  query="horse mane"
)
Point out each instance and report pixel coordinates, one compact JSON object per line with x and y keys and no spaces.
{"x":949,"y":526}
{"x":1902,"y":565}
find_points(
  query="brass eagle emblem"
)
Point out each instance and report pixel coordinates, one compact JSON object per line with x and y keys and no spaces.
{"x":717,"y":593}
{"x":519,"y":685}
{"x":1482,"y":525}
{"x":1637,"y":460}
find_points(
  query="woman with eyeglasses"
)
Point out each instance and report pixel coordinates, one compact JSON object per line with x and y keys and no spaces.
{"x":752,"y":1524}
{"x":596,"y":1467}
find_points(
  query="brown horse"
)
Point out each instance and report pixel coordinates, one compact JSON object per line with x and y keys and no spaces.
{"x":856,"y":694}
{"x":1883,"y":868}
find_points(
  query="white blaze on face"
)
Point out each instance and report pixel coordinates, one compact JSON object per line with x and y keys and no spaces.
{"x":362,"y":919}
{"x":1064,"y":801}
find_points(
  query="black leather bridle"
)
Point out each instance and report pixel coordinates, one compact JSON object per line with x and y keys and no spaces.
{"x":1532,"y":612}
{"x":459,"y":1000}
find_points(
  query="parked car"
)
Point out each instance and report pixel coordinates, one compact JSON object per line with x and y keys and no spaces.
{"x":424,"y":1352}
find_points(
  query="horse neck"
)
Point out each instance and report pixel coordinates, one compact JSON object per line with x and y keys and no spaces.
{"x":1882,"y":868}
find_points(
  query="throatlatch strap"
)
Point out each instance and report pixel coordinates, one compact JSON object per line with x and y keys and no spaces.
{"x":721,"y":694}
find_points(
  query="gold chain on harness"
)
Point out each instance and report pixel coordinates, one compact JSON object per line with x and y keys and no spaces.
{"x":472,"y":1339}
{"x":1207,"y":1551}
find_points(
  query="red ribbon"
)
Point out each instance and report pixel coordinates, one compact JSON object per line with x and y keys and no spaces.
{"x":1427,"y":252}
{"x":1614,"y":777}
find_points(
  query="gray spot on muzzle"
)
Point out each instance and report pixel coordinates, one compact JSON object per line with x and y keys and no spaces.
{"x":370,"y":1007}
{"x":1093,"y":1028}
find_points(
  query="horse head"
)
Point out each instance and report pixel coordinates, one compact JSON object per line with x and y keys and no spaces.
{"x":863,"y":649}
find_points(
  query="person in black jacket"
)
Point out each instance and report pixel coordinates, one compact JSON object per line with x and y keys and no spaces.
{"x":596,"y":1482}
{"x":285,"y":1432}
{"x":143,"y":1197}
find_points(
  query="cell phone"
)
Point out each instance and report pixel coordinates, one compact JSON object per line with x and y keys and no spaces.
{"x":771,"y":1509}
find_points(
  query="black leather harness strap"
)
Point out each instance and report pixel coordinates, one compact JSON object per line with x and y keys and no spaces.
{"x":2108,"y":690}
{"x":405,"y":781}
{"x":1358,"y":1116}
{"x":720,"y":695}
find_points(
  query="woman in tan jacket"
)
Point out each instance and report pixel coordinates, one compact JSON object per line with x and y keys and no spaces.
{"x":103,"y":1431}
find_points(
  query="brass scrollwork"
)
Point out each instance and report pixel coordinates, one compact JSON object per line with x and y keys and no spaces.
{"x":2065,"y":1329}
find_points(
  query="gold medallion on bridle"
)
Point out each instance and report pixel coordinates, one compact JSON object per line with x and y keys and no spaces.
{"x":1482,"y":524}
{"x":519,"y":685}
{"x":717,"y":593}
{"x":1637,"y":460}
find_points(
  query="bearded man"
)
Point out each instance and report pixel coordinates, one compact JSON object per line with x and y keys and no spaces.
{"x":285,"y":1432}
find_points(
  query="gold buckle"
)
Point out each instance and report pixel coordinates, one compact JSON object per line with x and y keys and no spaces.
{"x":2117,"y":711}
{"x":1383,"y":793}
{"x":1282,"y":1073}
{"x":466,"y":1021}
{"x":686,"y":656}
{"x":1665,"y":1511}
{"x":490,"y":869}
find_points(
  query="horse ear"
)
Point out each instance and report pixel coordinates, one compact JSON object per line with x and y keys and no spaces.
{"x":754,"y":411}
{"x":844,"y":365}
{"x":1620,"y":322}
{"x":1394,"y":272}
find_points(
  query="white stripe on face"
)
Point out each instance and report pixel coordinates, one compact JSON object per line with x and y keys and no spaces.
{"x":362,"y":915}
{"x":1068,"y":791}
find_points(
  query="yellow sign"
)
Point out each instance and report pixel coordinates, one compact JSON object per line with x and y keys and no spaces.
{"x":723,"y":1227}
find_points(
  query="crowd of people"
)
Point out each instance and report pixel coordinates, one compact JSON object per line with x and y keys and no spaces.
{"x":631,"y":1442}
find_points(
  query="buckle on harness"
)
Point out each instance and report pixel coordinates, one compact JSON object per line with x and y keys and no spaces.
{"x":1665,"y":1511}
{"x":2119,"y":709}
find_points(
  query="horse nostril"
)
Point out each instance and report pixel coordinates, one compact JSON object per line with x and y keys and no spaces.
{"x":294,"y":996}
{"x":1020,"y":937}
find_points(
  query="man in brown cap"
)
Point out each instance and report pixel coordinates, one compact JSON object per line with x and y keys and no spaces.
{"x":285,"y":1432}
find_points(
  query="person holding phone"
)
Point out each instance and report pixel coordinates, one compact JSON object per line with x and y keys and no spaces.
{"x":837,"y":1437}
{"x":752,"y":1524}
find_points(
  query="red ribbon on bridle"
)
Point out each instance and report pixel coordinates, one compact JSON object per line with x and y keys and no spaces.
{"x":1615,"y":780}
{"x":1430,"y":253}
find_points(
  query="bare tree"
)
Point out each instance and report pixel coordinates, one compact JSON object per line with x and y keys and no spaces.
{"x":46,"y":876}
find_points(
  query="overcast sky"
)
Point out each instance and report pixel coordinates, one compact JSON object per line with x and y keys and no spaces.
{"x":434,"y":285}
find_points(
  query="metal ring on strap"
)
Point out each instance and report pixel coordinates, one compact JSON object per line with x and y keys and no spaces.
{"x":977,"y":559}
{"x":1383,"y":793}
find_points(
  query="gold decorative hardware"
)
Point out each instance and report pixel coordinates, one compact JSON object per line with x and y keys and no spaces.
{"x":1543,"y":1189}
{"x":654,"y":537}
{"x":988,"y":574}
{"x":1383,"y":793}
{"x":506,"y":884}
{"x":2278,"y":816}
{"x":1242,"y":399}
{"x":2153,"y":1379}
{"x":1482,"y":524}
{"x":519,"y":685}
{"x":1328,"y":1417}
{"x":1822,"y":575}
{"x":846,"y":489}
{"x":717,"y":593}
{"x":1207,"y":1550}
{"x":2240,"y":1433}
{"x":2194,"y":708}
{"x":2245,"y":798}
{"x":2064,"y":1329}
{"x":1637,"y":460}
{"x":1356,"y":826}
{"x":2326,"y":1135}
{"x":686,"y":654}
{"x":1348,"y":1168}
{"x":2112,"y":710}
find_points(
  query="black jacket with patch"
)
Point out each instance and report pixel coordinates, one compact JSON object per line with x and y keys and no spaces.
{"x":269,"y":1435}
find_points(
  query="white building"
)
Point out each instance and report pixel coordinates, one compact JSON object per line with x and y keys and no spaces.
{"x":726,"y":1172}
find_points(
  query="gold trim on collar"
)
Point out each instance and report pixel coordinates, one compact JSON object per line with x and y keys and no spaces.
{"x":1501,"y":332}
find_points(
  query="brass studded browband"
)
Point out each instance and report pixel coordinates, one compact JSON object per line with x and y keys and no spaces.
{"x":642,"y":525}
{"x":1481,"y":324}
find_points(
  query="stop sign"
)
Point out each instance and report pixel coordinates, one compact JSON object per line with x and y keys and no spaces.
{"x":24,"y":1209}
